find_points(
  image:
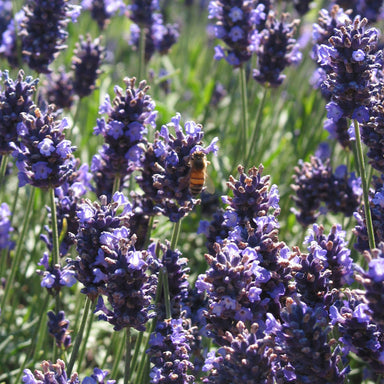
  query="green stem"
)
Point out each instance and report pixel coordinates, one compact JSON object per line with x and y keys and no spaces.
{"x":116,"y":184}
{"x":242,"y":144}
{"x":175,"y":234}
{"x":136,"y":351}
{"x":142,"y":65}
{"x":167,"y":300}
{"x":128,"y":351}
{"x":367,"y":210}
{"x":255,"y":134}
{"x":3,"y":168}
{"x":79,"y":337}
{"x":19,"y":247}
{"x":115,"y":366}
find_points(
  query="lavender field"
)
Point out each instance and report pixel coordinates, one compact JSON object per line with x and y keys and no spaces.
{"x":191,"y":192}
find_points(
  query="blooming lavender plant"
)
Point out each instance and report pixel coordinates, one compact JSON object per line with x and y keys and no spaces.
{"x":58,"y":89}
{"x":103,"y":10}
{"x":5,"y":227}
{"x":276,"y":49}
{"x":41,"y":42}
{"x":15,"y":98}
{"x":236,"y":22}
{"x":169,"y":352}
{"x":86,"y":65}
{"x":131,"y":111}
{"x":165,"y":172}
{"x":58,"y":328}
{"x":43,"y":156}
{"x":141,"y":12}
{"x":303,"y":339}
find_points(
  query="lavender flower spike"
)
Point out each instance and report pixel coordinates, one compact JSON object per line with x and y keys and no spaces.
{"x":5,"y":227}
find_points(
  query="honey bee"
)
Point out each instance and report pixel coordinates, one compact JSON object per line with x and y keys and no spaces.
{"x":198,"y":172}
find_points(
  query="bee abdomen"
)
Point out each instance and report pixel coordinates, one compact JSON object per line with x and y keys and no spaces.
{"x":196,"y":184}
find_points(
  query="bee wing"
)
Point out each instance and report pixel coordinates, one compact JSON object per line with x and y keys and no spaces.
{"x":210,"y":186}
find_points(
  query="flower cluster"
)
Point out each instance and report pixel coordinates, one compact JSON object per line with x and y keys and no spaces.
{"x":58,"y":328}
{"x":315,"y":184}
{"x":247,"y":358}
{"x":276,"y":49}
{"x":235,"y":25}
{"x":103,"y":10}
{"x":303,"y":339}
{"x":169,"y":353}
{"x":327,"y":268}
{"x":42,"y":41}
{"x":86,"y":65}
{"x":55,"y":373}
{"x":141,"y":12}
{"x":15,"y":98}
{"x":125,"y":130}
{"x":158,"y":37}
{"x":43,"y":156}
{"x":165,"y":173}
{"x":5,"y":227}
{"x":58,"y":89}
{"x":358,"y":334}
{"x":350,"y":62}
{"x":97,"y":223}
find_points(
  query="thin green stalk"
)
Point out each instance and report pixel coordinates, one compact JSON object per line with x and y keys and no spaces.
{"x":175,"y":234}
{"x":19,"y":247}
{"x":128,"y":350}
{"x":79,"y":337}
{"x":116,"y":184}
{"x":256,"y":131}
{"x":363,"y":176}
{"x":242,"y":144}
{"x":115,"y":366}
{"x":167,"y":300}
{"x":3,"y":168}
{"x":142,"y":64}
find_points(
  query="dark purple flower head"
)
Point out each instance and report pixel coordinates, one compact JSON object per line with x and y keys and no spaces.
{"x":58,"y":89}
{"x":42,"y":41}
{"x":128,"y":286}
{"x":131,"y":111}
{"x":15,"y":98}
{"x":86,"y":65}
{"x":276,"y":49}
{"x":158,"y":37}
{"x":5,"y":15}
{"x":358,"y":333}
{"x":370,"y":9}
{"x":141,"y":12}
{"x":8,"y":40}
{"x":98,"y":377}
{"x":103,"y":10}
{"x":169,"y":352}
{"x":165,"y":175}
{"x":5,"y":227}
{"x":43,"y":156}
{"x":52,"y":373}
{"x":338,"y":130}
{"x":236,"y":21}
{"x":350,"y":61}
{"x":247,"y":358}
{"x":100,"y":224}
{"x":58,"y":328}
{"x":303,"y":339}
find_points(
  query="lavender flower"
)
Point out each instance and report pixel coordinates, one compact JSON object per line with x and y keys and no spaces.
{"x":350,"y":62}
{"x":8,"y":40}
{"x":247,"y":358}
{"x":42,"y":41}
{"x":5,"y":15}
{"x":5,"y":227}
{"x":303,"y":339}
{"x":164,"y":176}
{"x":98,"y":223}
{"x":128,"y":286}
{"x":15,"y":98}
{"x":103,"y":10}
{"x":58,"y":89}
{"x":56,"y":374}
{"x":125,"y":129}
{"x":276,"y":48}
{"x":235,"y":25}
{"x":86,"y":65}
{"x":58,"y":328}
{"x":55,"y":277}
{"x":338,"y":130}
{"x":358,"y":334}
{"x":169,"y":353}
{"x":315,"y":184}
{"x":158,"y":37}
{"x":141,"y":12}
{"x":43,"y":155}
{"x":370,"y":9}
